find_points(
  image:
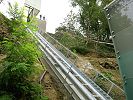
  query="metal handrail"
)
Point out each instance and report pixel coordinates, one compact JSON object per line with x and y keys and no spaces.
{"x":83,"y":89}
{"x":47,"y":47}
{"x":78,"y":57}
{"x":81,"y":86}
{"x":96,"y":71}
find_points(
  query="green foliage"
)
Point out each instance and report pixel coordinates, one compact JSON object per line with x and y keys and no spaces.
{"x":81,"y":49}
{"x":93,"y":25}
{"x":4,"y":27}
{"x":22,"y":55}
{"x":68,"y":40}
{"x":5,"y":97}
{"x":77,"y":44}
{"x":70,"y":24}
{"x":108,"y":75}
{"x":15,"y":12}
{"x":106,"y":51}
{"x":92,"y":18}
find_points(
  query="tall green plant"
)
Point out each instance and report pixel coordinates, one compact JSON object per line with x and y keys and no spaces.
{"x":22,"y":54}
{"x":15,"y":12}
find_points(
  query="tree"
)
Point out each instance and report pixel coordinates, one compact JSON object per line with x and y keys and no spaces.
{"x":92,"y":19}
{"x":70,"y":24}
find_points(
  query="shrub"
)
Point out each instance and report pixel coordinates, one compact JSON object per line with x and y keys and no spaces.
{"x":19,"y":65}
{"x":6,"y":96}
{"x":80,"y":49}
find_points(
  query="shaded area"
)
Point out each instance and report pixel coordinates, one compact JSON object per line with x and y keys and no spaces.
{"x":51,"y":89}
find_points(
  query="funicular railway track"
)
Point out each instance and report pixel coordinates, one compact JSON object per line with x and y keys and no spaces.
{"x":77,"y":83}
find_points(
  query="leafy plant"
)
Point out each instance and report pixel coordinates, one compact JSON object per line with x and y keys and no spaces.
{"x":5,"y":97}
{"x":81,"y":49}
{"x":108,"y":75}
{"x":15,"y":12}
{"x":22,"y":55}
{"x":92,"y":18}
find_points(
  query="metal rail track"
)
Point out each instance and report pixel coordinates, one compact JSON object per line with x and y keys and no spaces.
{"x":77,"y":83}
{"x":110,"y":87}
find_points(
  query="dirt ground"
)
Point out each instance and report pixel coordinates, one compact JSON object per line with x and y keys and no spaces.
{"x":107,"y":66}
{"x":104,"y":65}
{"x":2,"y":57}
{"x":50,"y":88}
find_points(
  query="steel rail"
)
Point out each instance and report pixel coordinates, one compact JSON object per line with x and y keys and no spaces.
{"x":77,"y":82}
{"x":95,"y":70}
{"x":76,"y":73}
{"x":89,"y":94}
{"x":45,"y":45}
{"x":60,"y":75}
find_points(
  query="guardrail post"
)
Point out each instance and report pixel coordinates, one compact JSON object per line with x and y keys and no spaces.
{"x":96,"y":76}
{"x":112,"y":85}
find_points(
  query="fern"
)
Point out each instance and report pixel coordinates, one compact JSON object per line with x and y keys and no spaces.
{"x":22,"y":54}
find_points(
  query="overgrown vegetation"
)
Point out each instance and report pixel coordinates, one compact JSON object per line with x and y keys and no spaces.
{"x":21,"y":60}
{"x":77,"y":44}
{"x":92,"y":19}
{"x":87,"y":33}
{"x":83,"y":32}
{"x":4,"y":27}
